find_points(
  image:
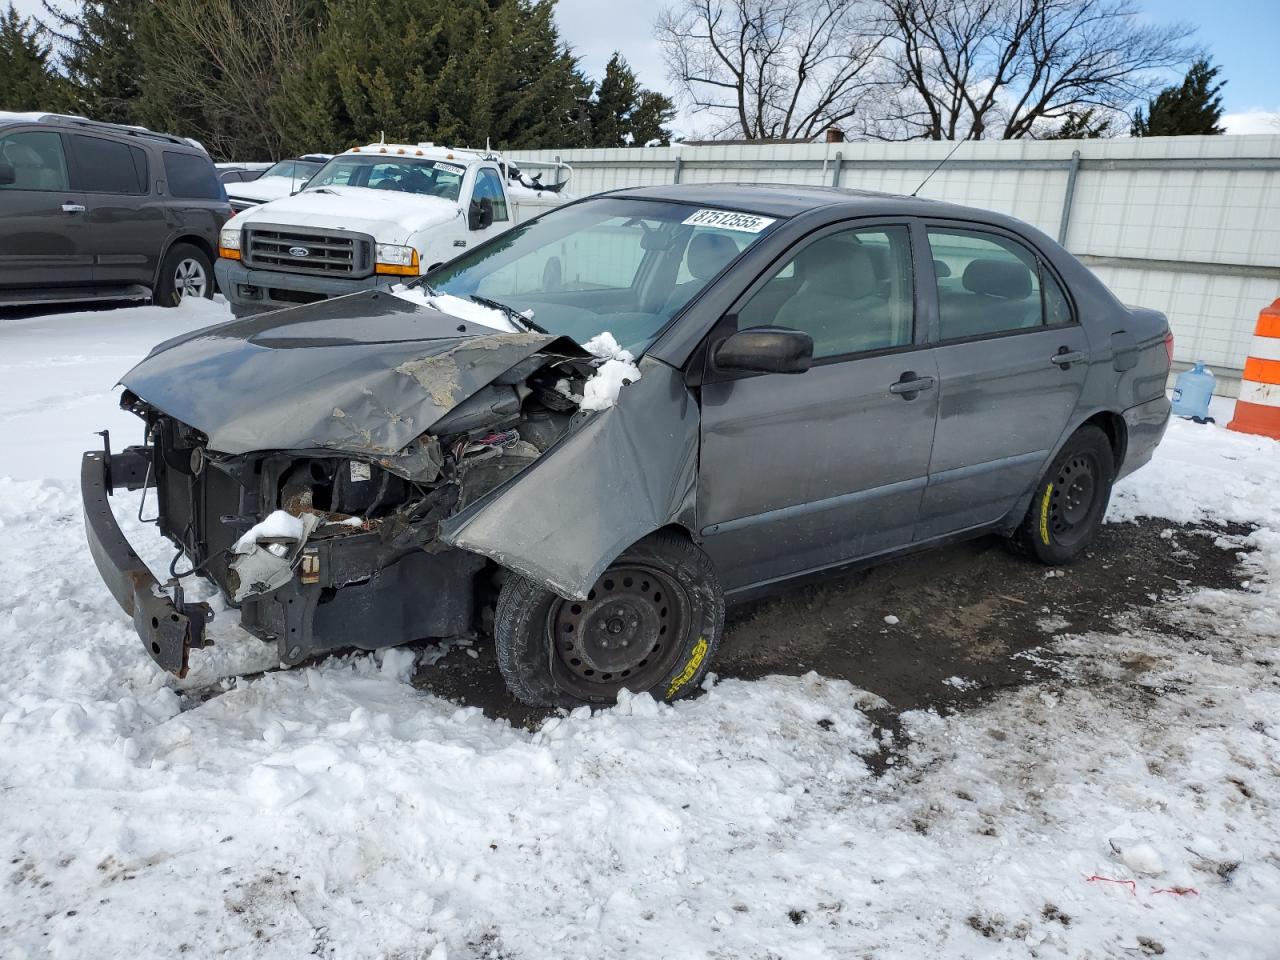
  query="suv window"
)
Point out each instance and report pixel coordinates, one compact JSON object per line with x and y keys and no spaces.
{"x":107,"y":166}
{"x":191,"y":177}
{"x":850,"y":291}
{"x":488,"y":185}
{"x":989,"y":284}
{"x":37,"y":160}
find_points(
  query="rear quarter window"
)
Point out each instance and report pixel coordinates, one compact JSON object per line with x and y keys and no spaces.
{"x":191,"y":177}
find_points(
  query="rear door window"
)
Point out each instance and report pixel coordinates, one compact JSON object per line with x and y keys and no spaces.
{"x":107,"y":166}
{"x":37,"y":159}
{"x":989,"y":284}
{"x":191,"y":177}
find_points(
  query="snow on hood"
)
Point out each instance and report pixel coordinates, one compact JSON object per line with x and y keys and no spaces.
{"x":467,"y":310}
{"x":264,"y":189}
{"x":388,"y":215}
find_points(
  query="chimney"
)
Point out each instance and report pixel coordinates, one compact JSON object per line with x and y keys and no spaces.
{"x":835,"y":135}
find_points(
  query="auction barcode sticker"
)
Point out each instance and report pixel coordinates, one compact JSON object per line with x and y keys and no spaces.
{"x":728,"y":220}
{"x":449,"y":167}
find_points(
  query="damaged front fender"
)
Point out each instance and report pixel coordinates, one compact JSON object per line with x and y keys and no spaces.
{"x":619,"y":475}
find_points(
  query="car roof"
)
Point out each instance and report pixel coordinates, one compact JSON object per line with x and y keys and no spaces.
{"x":789,"y":200}
{"x":88,"y":126}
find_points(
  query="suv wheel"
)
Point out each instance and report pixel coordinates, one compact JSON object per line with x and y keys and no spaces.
{"x":186,"y":272}
{"x":1070,"y":500}
{"x":651,"y":623}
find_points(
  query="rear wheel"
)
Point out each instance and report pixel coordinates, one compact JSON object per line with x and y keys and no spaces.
{"x":650,"y":623}
{"x":186,"y":272}
{"x":1070,"y":500}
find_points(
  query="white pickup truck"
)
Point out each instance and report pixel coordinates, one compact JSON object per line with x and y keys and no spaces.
{"x":374,"y":216}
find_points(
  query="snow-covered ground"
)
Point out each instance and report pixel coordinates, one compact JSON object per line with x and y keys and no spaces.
{"x":1127,"y":809}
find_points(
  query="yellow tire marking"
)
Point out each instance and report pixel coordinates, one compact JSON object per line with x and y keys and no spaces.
{"x":1044,"y":514}
{"x":690,"y":668}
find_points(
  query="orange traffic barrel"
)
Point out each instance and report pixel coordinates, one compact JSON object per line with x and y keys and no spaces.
{"x":1258,"y":407}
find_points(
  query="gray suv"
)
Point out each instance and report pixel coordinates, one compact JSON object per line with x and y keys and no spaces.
{"x":96,"y":211}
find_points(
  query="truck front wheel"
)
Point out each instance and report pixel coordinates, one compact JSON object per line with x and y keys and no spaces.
{"x":651,"y":623}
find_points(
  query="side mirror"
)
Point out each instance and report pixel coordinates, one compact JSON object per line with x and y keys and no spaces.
{"x":480,"y":213}
{"x":766,"y":350}
{"x":7,"y":175}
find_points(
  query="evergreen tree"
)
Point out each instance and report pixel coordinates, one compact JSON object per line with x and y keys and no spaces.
{"x":98,"y":47}
{"x":1083,"y":125}
{"x":450,"y":71}
{"x":1191,"y":108}
{"x":623,"y":113}
{"x":28,"y":81}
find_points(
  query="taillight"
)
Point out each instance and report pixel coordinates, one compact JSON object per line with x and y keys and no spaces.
{"x":1168,"y":346}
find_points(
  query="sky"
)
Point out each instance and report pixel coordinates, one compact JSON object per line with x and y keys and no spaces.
{"x":1238,"y":34}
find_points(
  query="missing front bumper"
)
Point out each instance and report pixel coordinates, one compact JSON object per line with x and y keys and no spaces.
{"x":169,"y":629}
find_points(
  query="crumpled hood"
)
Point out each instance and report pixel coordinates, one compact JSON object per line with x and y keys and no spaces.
{"x":387,"y":215}
{"x":363,"y":374}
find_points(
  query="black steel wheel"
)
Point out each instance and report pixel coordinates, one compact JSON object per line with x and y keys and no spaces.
{"x":650,"y":623}
{"x":1069,"y":501}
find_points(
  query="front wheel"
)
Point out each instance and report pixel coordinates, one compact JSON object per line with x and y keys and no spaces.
{"x":651,"y":623}
{"x":185,"y":273}
{"x":1070,"y":500}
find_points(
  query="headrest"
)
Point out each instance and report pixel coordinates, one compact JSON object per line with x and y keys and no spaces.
{"x":838,"y":268}
{"x":1007,"y":279}
{"x":708,"y":254}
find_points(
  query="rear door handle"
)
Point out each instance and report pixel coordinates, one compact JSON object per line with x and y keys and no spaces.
{"x":1065,"y":358}
{"x":910,"y":385}
{"x":73,"y":208}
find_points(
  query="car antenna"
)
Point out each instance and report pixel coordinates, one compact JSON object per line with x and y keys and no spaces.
{"x":937,"y":168}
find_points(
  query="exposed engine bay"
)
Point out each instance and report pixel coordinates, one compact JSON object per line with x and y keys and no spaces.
{"x":321,"y":548}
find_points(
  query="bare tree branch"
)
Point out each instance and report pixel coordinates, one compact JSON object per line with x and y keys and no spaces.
{"x":771,"y":69}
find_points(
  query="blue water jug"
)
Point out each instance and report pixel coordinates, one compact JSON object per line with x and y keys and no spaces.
{"x":1192,"y":391}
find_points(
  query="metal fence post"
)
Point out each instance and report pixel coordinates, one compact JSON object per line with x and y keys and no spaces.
{"x":1064,"y":222}
{"x":679,"y":163}
{"x":837,"y":165}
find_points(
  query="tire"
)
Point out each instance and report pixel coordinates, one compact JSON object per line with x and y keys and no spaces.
{"x":185,"y":272}
{"x":651,"y":623}
{"x":1069,"y":501}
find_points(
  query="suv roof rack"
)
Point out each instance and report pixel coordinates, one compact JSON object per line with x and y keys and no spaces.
{"x":120,"y":128}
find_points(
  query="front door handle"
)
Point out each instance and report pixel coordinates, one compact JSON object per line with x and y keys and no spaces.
{"x":73,"y":208}
{"x":1065,"y":358}
{"x":909,"y":386}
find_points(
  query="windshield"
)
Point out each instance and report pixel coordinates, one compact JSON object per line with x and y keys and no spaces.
{"x":434,"y":178}
{"x":613,"y":264}
{"x":293,"y":169}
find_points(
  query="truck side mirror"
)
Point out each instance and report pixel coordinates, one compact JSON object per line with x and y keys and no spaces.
{"x":7,"y":175}
{"x":480,"y":213}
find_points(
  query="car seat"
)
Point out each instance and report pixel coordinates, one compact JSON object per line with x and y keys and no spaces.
{"x":839,"y":302}
{"x":707,"y":255}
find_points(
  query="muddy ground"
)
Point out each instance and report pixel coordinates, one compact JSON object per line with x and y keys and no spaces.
{"x":972,"y":619}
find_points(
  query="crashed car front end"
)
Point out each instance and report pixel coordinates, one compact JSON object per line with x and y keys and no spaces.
{"x":314,"y":502}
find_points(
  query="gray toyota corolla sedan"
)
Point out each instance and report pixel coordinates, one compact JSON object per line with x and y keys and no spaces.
{"x":803,"y":379}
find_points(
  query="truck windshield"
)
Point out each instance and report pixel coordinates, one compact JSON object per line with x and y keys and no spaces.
{"x":434,"y":178}
{"x":613,"y":264}
{"x":293,"y":169}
